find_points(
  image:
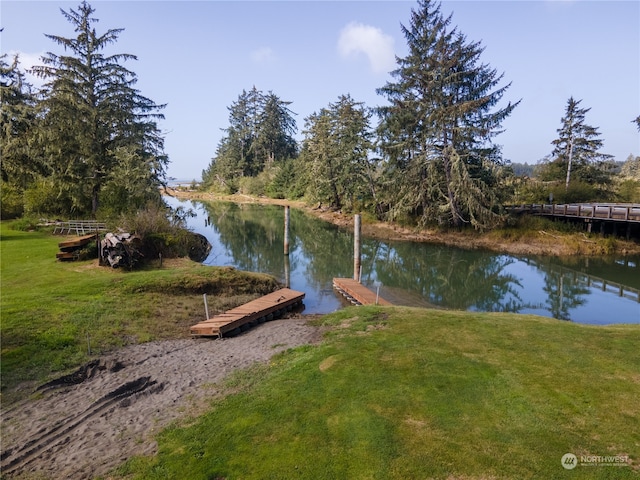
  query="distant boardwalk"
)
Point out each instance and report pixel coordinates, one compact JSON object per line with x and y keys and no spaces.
{"x":616,"y":218}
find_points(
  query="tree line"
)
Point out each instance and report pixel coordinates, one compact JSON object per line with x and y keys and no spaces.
{"x":428,"y":156}
{"x":88,"y":142}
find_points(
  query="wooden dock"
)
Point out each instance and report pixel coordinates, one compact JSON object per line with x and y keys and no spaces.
{"x":352,"y":289}
{"x":260,"y":310}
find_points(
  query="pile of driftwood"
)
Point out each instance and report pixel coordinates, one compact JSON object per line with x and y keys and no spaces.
{"x":125,"y":249}
{"x":120,"y":250}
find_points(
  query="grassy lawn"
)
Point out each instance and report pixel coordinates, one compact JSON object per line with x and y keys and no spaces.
{"x":399,"y":393}
{"x":56,"y":315}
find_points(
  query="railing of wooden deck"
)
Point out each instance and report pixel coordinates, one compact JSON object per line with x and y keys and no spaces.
{"x":79,"y":227}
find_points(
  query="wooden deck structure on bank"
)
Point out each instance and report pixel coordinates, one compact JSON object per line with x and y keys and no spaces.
{"x":257,"y":311}
{"x":69,"y":249}
{"x":351,"y":288}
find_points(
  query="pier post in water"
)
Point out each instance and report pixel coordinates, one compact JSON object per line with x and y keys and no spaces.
{"x":286,"y":229}
{"x":287,"y":272}
{"x":356,"y":248}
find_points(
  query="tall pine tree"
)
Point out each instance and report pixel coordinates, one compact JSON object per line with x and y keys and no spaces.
{"x":99,"y":134}
{"x":576,"y":150}
{"x":438,"y":128}
{"x":17,"y":122}
{"x":260,"y":133}
{"x":336,"y":151}
{"x":277,"y":126}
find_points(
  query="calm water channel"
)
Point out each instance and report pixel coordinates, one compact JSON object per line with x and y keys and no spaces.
{"x":251,"y":237}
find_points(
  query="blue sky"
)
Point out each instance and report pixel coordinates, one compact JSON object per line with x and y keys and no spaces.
{"x":198,"y":56}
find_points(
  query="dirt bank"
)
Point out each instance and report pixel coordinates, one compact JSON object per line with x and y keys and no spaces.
{"x":83,"y":425}
{"x":533,"y":243}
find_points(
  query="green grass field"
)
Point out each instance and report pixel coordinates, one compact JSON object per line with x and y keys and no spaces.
{"x":398,"y":393}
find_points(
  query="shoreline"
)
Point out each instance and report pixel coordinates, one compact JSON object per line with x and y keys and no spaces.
{"x":534,"y":243}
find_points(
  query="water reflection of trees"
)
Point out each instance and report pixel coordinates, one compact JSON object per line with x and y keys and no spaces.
{"x":253,"y":235}
{"x":449,"y":277}
{"x":563,"y":294}
{"x":327,"y":250}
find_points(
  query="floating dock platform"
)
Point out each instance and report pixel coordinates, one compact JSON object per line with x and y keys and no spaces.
{"x":361,"y":295}
{"x":260,"y":310}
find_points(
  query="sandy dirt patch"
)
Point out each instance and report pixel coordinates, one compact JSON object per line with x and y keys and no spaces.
{"x":84,"y":424}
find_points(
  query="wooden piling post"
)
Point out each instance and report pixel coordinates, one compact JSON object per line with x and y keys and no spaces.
{"x":286,"y":229}
{"x":287,"y":272}
{"x":206,"y":306}
{"x":356,"y":248}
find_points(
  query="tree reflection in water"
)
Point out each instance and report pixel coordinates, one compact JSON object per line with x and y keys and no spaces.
{"x":251,"y":237}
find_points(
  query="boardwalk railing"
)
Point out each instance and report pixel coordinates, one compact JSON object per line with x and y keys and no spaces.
{"x":79,"y":227}
{"x":600,"y":211}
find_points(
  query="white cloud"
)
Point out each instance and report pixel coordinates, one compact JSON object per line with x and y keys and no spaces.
{"x":263,"y":55}
{"x":358,"y":38}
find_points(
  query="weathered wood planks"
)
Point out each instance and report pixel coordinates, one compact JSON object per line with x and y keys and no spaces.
{"x":361,"y":294}
{"x":245,"y":316}
{"x":70,"y":249}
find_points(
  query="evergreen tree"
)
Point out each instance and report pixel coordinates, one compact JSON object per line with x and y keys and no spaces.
{"x":17,"y":122}
{"x":354,"y":145}
{"x":276,"y":128}
{"x":631,"y":167}
{"x":576,"y":150}
{"x":222,"y":171}
{"x":242,"y":131}
{"x":234,"y":157}
{"x":437,"y":130}
{"x":96,"y":125}
{"x":260,"y":133}
{"x":337,"y":149}
{"x":318,"y":155}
